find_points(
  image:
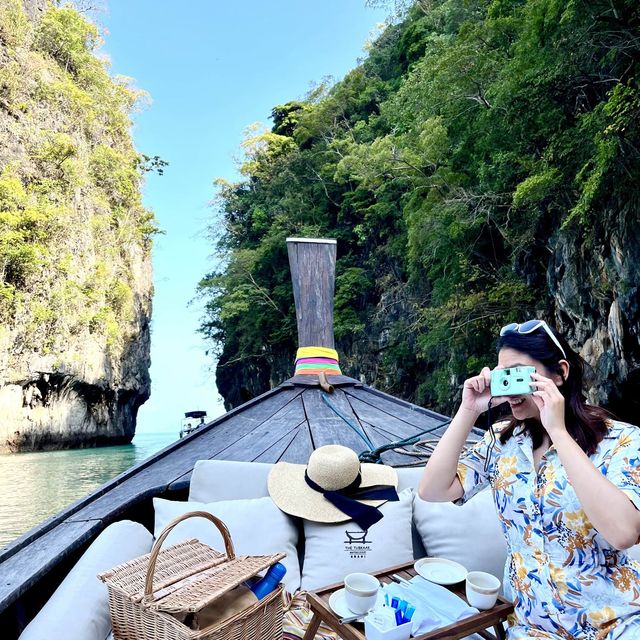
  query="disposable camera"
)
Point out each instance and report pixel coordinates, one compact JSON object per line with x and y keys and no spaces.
{"x":514,"y":381}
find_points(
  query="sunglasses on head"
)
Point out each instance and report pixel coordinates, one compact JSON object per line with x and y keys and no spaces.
{"x":529,"y":327}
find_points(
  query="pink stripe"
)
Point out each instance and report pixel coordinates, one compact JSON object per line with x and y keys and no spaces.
{"x":316,"y":361}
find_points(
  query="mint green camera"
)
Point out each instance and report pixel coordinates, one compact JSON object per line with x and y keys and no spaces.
{"x":514,"y":381}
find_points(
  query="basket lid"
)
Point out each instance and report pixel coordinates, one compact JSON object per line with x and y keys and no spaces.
{"x":198,"y":591}
{"x":188,"y":576}
{"x":174,"y":563}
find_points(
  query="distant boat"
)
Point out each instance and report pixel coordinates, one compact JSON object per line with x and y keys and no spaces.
{"x":286,"y":423}
{"x":189,"y":425}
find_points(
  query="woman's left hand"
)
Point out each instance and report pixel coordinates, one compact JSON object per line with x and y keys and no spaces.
{"x":550,"y":403}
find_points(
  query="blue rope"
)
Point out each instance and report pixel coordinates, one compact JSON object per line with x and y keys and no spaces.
{"x":373,"y":455}
{"x":359,"y":432}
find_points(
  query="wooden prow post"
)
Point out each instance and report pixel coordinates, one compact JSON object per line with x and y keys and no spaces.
{"x":313,"y":267}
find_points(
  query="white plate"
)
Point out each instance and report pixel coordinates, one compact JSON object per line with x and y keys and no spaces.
{"x":338,"y":603}
{"x":440,"y":570}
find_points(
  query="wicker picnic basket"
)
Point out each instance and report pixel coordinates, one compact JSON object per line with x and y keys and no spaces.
{"x":165,"y":594}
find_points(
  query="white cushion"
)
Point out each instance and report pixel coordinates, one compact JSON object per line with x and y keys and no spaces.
{"x":634,"y":552}
{"x":214,"y":480}
{"x":334,"y":550}
{"x":79,"y":608}
{"x":469,"y":534}
{"x":257,"y":527}
{"x":409,"y":477}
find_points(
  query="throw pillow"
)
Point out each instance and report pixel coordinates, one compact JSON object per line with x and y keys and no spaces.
{"x":470,"y":534}
{"x":257,"y":528}
{"x":334,"y":550}
{"x":634,"y":552}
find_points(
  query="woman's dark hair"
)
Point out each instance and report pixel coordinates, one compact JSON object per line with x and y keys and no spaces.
{"x":587,"y":424}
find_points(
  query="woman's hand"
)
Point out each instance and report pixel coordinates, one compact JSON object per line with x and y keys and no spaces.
{"x":550,"y":403}
{"x":476,"y":393}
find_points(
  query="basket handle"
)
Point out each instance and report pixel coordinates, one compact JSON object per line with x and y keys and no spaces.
{"x":155,"y":552}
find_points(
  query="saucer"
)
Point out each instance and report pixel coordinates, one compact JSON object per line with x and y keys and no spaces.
{"x":440,"y":570}
{"x":338,"y":603}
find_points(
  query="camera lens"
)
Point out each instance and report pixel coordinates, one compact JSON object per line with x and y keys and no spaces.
{"x":505,"y":383}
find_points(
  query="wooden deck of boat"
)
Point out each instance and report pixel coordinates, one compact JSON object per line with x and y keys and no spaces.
{"x":286,"y":423}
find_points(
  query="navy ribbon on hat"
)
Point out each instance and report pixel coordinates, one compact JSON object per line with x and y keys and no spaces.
{"x":346,"y":500}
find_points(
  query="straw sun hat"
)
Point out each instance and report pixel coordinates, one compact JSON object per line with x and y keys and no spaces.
{"x":333,"y":487}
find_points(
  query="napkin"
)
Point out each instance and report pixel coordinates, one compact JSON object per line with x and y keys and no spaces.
{"x":435,"y":605}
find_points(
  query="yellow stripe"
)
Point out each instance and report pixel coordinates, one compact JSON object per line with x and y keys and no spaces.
{"x":316,"y":352}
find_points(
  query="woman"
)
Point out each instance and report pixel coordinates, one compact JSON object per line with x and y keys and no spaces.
{"x":566,"y":484}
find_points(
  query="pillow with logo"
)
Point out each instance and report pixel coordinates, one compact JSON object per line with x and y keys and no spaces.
{"x":334,"y":550}
{"x":257,"y":527}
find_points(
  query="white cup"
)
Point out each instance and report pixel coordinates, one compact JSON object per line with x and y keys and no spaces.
{"x":361,"y":591}
{"x":482,"y":589}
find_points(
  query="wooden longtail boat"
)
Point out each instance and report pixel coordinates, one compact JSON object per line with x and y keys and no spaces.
{"x":285,"y":423}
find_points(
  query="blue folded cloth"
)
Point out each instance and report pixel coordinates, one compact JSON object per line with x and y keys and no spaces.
{"x":435,"y":605}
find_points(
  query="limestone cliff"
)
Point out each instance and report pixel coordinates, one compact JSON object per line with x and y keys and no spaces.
{"x":595,"y":285}
{"x":75,"y":240}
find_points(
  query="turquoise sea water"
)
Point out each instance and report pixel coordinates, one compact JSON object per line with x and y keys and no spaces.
{"x":34,"y":486}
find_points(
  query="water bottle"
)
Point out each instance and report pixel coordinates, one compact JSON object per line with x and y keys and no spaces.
{"x":271,"y":580}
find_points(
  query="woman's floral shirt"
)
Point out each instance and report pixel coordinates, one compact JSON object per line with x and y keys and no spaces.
{"x":566,"y":580}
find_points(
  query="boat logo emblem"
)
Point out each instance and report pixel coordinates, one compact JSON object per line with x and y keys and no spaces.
{"x":356,"y":544}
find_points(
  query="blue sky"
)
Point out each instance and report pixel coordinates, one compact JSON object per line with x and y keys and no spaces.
{"x":212,"y":68}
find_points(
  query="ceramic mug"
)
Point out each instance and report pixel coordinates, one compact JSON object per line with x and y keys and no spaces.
{"x":482,"y":589}
{"x":361,"y":591}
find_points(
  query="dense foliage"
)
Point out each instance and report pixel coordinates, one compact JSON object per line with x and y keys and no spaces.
{"x":72,"y":225}
{"x":447,"y":165}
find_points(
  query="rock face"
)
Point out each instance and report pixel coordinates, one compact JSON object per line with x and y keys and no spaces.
{"x":35,"y":8}
{"x":75,"y":240}
{"x":81,"y":396}
{"x":596,"y":288}
{"x":238,"y":382}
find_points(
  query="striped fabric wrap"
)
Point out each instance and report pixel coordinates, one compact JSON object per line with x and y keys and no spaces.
{"x":314,"y":360}
{"x":297,"y":616}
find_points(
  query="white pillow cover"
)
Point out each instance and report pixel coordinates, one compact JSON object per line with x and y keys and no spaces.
{"x":634,"y":552}
{"x":79,"y":608}
{"x":257,"y":527}
{"x":214,"y":480}
{"x":469,"y":534}
{"x":334,"y":550}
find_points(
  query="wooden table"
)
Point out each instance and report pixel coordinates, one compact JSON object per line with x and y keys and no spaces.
{"x":478,"y":623}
